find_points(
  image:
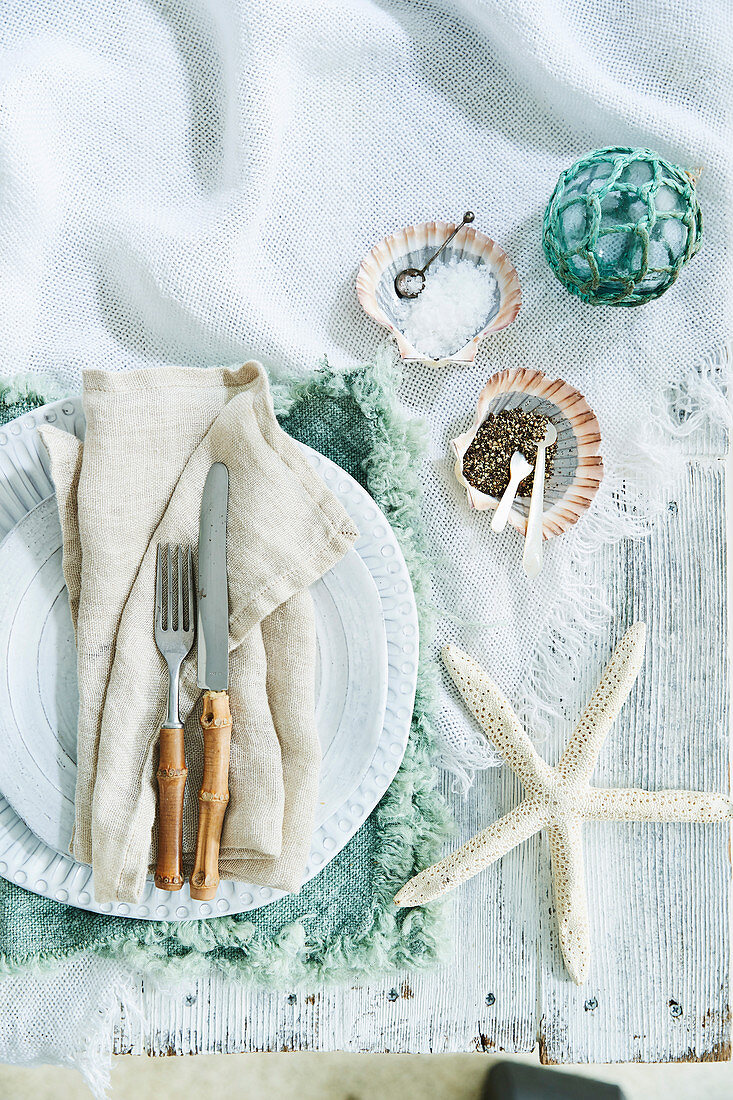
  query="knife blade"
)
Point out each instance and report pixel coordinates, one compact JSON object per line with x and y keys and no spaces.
{"x":213,"y":596}
{"x":213,"y":676}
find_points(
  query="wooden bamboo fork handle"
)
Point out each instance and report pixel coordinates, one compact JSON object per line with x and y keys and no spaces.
{"x":216,"y":723}
{"x":172,"y":774}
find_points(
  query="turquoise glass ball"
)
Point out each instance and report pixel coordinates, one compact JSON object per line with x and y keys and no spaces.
{"x":620,"y":226}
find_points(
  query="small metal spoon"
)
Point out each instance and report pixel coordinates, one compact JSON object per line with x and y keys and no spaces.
{"x":532,"y":559}
{"x":518,"y":470}
{"x":411,"y":280}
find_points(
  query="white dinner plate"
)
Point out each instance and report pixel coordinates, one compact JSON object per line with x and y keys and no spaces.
{"x":367,"y":641}
{"x":39,"y":697}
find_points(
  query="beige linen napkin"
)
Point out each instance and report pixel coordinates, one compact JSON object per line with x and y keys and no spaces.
{"x":137,"y":481}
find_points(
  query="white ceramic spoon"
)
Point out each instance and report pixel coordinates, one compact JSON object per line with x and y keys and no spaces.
{"x":532,"y":558}
{"x":518,"y":470}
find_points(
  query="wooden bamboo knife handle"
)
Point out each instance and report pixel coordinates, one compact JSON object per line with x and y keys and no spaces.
{"x":172,"y":774}
{"x":216,"y":723}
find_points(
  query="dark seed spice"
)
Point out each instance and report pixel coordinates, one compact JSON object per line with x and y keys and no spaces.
{"x":486,"y":462}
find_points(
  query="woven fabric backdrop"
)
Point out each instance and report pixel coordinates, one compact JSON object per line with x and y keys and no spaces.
{"x":197,"y":182}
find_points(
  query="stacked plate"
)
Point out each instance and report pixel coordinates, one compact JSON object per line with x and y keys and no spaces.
{"x":366,"y":624}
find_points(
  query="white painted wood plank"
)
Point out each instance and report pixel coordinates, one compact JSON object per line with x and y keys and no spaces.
{"x":483,"y":998}
{"x":659,"y":986}
{"x":659,"y":983}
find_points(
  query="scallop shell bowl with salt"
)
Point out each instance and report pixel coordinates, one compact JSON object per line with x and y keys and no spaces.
{"x":413,"y":247}
{"x":577,"y":467}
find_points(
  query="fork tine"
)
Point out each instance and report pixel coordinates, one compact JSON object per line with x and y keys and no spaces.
{"x":169,"y":609}
{"x":175,"y":597}
{"x":159,"y":589}
{"x":179,"y":604}
{"x":191,"y":592}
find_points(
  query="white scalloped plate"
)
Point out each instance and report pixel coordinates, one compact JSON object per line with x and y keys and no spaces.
{"x":39,"y":698}
{"x":366,"y":599}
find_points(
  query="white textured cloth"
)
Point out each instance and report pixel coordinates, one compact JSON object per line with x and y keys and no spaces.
{"x":136,"y":483}
{"x":197,"y":182}
{"x":42,"y":1024}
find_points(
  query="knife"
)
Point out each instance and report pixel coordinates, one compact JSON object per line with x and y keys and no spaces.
{"x":213,"y":676}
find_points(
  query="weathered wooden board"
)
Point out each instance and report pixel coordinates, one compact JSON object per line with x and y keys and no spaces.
{"x":659,"y":984}
{"x":484,"y":998}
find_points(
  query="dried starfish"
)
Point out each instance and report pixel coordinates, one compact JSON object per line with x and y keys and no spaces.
{"x":558,"y":799}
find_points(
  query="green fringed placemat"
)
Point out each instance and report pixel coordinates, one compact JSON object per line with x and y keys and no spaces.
{"x":343,"y":924}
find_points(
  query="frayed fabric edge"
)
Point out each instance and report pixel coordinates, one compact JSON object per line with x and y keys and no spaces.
{"x":95,"y":1028}
{"x":631,"y":499}
{"x":27,"y":387}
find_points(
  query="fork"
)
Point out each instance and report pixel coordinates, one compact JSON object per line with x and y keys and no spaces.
{"x":174,"y":631}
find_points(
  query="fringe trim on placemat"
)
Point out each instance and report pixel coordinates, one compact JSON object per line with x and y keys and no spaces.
{"x":412,"y":821}
{"x":23,"y":389}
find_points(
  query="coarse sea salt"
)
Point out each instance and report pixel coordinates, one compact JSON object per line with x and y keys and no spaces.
{"x":457,"y":301}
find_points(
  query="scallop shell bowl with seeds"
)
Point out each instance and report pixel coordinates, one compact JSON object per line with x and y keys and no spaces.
{"x":577,"y":468}
{"x":413,"y":247}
